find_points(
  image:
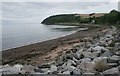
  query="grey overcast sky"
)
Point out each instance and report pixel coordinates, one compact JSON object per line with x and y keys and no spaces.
{"x":59,"y":0}
{"x":37,"y":11}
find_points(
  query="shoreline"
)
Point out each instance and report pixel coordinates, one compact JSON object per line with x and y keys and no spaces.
{"x":36,"y":42}
{"x":25,"y":54}
{"x":85,"y":28}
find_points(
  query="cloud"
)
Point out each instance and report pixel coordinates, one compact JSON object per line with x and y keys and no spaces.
{"x":60,"y":0}
{"x":37,"y":11}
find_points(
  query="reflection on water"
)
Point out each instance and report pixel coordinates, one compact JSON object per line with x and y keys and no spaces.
{"x":65,"y":28}
{"x":19,"y":34}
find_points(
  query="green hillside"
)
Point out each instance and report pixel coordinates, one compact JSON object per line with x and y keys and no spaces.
{"x":111,"y":18}
{"x":64,"y":18}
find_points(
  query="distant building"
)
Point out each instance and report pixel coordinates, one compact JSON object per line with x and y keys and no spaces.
{"x":93,"y":21}
{"x":119,"y":6}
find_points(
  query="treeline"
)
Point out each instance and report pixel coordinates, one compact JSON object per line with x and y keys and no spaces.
{"x":64,"y":18}
{"x":111,"y":18}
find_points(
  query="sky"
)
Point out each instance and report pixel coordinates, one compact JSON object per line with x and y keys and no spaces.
{"x":37,"y":11}
{"x":59,"y":0}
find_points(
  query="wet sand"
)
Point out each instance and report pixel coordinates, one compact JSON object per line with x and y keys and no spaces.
{"x":39,"y":52}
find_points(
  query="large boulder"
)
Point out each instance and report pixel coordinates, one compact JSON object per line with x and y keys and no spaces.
{"x":101,"y":64}
{"x":80,"y":51}
{"x":100,"y":48}
{"x":53,"y":68}
{"x":18,"y":67}
{"x":87,"y":54}
{"x":117,"y":53}
{"x":107,"y":54}
{"x":114,"y":59}
{"x":111,"y":65}
{"x":113,"y":71}
{"x":96,"y":54}
{"x":66,"y":72}
{"x":60,"y":61}
{"x":28,"y":69}
{"x":68,"y":56}
{"x":77,"y":71}
{"x":68,"y":67}
{"x":103,"y":59}
{"x":7,"y":69}
{"x":87,"y":66}
{"x":119,"y":67}
{"x":45,"y":65}
{"x":71,"y":62}
{"x":76,"y":55}
{"x":103,"y":43}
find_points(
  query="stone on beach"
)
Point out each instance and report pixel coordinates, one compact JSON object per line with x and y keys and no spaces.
{"x":113,"y":71}
{"x":66,"y":72}
{"x":87,"y":66}
{"x":53,"y":68}
{"x":107,"y":54}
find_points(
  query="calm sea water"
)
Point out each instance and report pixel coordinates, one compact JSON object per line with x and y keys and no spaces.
{"x":20,"y":34}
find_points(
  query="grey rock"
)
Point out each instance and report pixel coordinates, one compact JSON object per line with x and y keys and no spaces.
{"x":96,"y":54}
{"x":66,"y":72}
{"x":39,"y":70}
{"x":7,"y":69}
{"x":71,"y":68}
{"x":87,"y":54}
{"x":45,"y":65}
{"x":118,"y":53}
{"x":118,"y":62}
{"x":110,"y":42}
{"x":46,"y":70}
{"x":103,"y":59}
{"x":64,"y":65}
{"x":102,"y":43}
{"x":116,"y":47}
{"x":74,"y":59}
{"x":107,"y":54}
{"x":69,"y":56}
{"x":111,"y":65}
{"x":68,"y":67}
{"x":88,"y":74}
{"x":59,"y":61}
{"x":28,"y":69}
{"x":76,"y":55}
{"x":114,"y":59}
{"x":53,"y":68}
{"x":74,"y":50}
{"x":119,"y":67}
{"x":86,"y":60}
{"x":78,"y":62}
{"x":80,"y":51}
{"x":72,"y":62}
{"x":87,"y":66}
{"x":78,"y":71}
{"x":112,"y":71}
{"x":100,"y":48}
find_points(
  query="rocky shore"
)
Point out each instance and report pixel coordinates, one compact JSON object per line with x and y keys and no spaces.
{"x":35,"y":53}
{"x":91,"y":56}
